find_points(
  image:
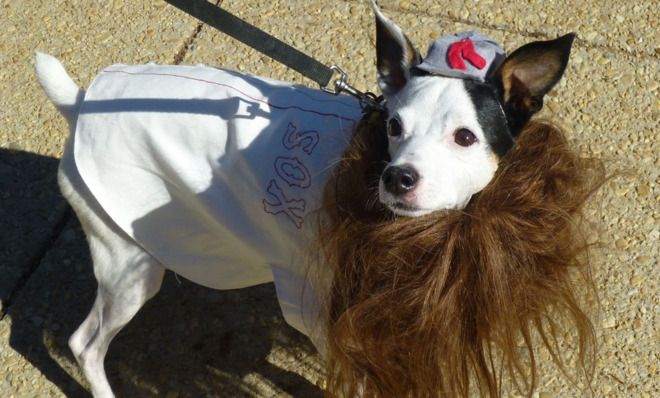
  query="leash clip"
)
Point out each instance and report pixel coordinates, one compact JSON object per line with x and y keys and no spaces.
{"x":367,"y":100}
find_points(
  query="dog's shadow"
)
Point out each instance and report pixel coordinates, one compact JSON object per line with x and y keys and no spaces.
{"x":188,"y":341}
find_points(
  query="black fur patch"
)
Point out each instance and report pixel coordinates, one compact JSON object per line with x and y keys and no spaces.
{"x":490,"y":116}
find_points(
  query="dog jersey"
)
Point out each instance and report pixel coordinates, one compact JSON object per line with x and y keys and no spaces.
{"x":217,"y":174}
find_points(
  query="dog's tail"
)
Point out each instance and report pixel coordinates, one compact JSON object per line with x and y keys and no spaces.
{"x":58,"y":85}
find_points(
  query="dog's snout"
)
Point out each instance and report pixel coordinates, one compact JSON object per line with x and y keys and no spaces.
{"x":400,"y":179}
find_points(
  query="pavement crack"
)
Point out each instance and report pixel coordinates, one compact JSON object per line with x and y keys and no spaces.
{"x":188,"y":43}
{"x":35,"y":260}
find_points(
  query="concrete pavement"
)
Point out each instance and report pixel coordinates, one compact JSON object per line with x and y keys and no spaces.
{"x":608,"y":102}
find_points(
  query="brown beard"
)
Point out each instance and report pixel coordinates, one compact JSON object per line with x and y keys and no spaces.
{"x":449,"y":303}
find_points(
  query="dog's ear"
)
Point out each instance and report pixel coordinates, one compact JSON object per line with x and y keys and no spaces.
{"x":527,"y":75}
{"x":395,"y":54}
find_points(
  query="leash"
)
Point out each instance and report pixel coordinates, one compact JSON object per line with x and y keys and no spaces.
{"x":276,"y":49}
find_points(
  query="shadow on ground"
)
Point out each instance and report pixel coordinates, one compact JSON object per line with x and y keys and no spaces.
{"x":188,"y":341}
{"x":31,"y":213}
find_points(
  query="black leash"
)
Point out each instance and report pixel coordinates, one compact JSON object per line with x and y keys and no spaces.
{"x":274,"y":48}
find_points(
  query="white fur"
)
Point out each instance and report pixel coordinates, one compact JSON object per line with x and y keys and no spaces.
{"x":57,"y":84}
{"x":431,"y":109}
{"x":127,"y":276}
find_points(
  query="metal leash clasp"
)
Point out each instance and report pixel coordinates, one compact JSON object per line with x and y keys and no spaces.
{"x":367,"y":100}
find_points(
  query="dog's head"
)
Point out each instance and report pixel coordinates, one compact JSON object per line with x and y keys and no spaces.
{"x":447,"y":134}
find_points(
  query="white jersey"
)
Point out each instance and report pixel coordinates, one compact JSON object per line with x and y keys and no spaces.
{"x":215,"y":173}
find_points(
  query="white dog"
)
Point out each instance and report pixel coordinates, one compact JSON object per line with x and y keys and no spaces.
{"x":213,"y":174}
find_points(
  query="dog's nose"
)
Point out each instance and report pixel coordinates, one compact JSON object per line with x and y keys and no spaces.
{"x":400,"y":179}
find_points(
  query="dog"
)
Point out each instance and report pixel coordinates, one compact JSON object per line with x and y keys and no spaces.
{"x":218,"y":176}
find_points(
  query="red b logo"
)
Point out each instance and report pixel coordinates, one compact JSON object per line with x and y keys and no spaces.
{"x":464,"y":49}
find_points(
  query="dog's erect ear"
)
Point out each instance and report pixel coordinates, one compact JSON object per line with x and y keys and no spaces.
{"x":527,"y":75}
{"x":395,"y":54}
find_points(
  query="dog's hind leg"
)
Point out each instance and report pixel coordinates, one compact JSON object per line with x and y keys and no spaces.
{"x":117,"y":301}
{"x":136,"y":278}
{"x":127,"y":277}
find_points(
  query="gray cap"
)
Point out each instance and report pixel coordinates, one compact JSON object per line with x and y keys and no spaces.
{"x":467,"y":55}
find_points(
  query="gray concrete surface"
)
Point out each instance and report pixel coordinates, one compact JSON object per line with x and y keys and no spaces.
{"x":608,"y":102}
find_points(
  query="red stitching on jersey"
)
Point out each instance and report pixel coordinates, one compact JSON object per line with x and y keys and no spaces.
{"x":233,"y":88}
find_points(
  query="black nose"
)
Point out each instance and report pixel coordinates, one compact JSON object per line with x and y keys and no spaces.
{"x":400,"y":179}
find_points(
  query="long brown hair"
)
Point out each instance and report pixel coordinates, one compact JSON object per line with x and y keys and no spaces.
{"x":450,"y":303}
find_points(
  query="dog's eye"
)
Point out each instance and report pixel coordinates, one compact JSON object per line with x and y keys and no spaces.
{"x":394,"y":128}
{"x":464,"y":137}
